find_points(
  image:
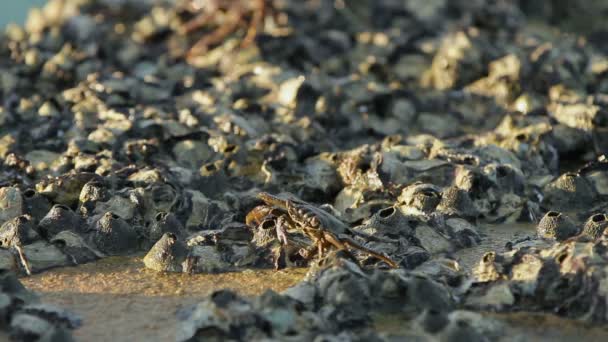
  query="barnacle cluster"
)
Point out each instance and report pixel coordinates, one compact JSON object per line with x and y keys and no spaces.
{"x":392,"y":133}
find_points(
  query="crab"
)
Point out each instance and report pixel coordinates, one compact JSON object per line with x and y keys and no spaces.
{"x":324,"y":229}
{"x":228,"y":16}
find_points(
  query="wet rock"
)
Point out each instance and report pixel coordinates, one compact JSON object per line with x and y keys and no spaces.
{"x":75,"y":247}
{"x":202,"y":323}
{"x":26,"y":326}
{"x":65,"y":189}
{"x":91,"y":193}
{"x":544,"y":278}
{"x":456,"y":62}
{"x":125,"y":207}
{"x":55,"y":315}
{"x":596,"y":172}
{"x":471,"y":326}
{"x":399,"y":114}
{"x":464,"y":232}
{"x":42,"y":255}
{"x":208,"y":259}
{"x":192,"y":154}
{"x":432,"y":241}
{"x":205,"y":213}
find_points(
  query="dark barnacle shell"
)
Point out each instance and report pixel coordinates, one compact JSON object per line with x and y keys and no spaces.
{"x":61,"y":218}
{"x":19,"y":231}
{"x":113,"y":235}
{"x":569,"y":192}
{"x":555,"y":225}
{"x":35,"y":204}
{"x":455,"y":201}
{"x":420,"y":197}
{"x":390,"y":221}
{"x":595,"y":226}
{"x":162,"y":223}
{"x":167,"y":255}
{"x":162,"y":196}
{"x":264,"y":234}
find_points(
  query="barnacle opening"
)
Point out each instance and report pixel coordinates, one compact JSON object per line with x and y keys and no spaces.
{"x":597,"y":218}
{"x":29,"y":193}
{"x":267,"y":224}
{"x":386,"y":213}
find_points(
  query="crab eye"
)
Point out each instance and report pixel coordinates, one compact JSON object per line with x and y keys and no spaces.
{"x":314,"y":222}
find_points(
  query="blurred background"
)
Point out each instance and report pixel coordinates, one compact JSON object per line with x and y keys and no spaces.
{"x":15,"y":11}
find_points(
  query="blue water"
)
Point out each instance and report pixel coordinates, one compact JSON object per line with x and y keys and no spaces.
{"x":15,"y":11}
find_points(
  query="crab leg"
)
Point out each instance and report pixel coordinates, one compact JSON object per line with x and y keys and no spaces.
{"x":24,"y":262}
{"x":256,"y":20}
{"x":233,"y":20}
{"x":308,"y":253}
{"x":371,"y":237}
{"x":346,"y":241}
{"x":273,"y":200}
{"x":281,"y":230}
{"x":320,"y":248}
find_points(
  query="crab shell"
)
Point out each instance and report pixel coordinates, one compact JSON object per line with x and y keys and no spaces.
{"x":302,"y":213}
